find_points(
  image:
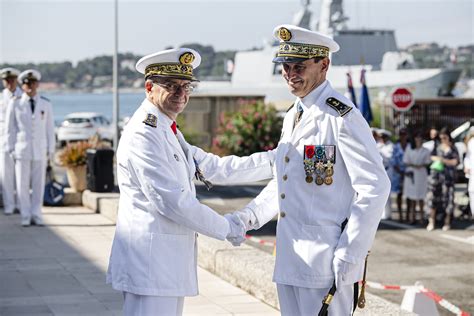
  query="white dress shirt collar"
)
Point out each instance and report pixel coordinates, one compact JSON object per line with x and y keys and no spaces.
{"x":311,"y":98}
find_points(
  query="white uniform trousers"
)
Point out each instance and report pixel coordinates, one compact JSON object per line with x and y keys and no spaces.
{"x":145,"y":305}
{"x":7,"y":179}
{"x":301,"y":301}
{"x":30,"y":174}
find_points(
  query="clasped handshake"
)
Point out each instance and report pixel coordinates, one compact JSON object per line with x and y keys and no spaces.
{"x":239,"y":223}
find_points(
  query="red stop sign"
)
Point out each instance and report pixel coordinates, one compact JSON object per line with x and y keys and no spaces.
{"x":402,"y":99}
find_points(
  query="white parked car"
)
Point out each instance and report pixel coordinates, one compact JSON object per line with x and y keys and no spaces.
{"x":83,"y":125}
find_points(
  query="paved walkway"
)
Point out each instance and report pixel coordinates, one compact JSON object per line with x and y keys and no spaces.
{"x":60,"y":269}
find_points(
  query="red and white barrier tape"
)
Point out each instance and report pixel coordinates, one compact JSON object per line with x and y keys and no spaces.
{"x":260,"y":241}
{"x":438,"y":299}
{"x":435,"y":297}
{"x":389,"y":287}
{"x":446,"y":304}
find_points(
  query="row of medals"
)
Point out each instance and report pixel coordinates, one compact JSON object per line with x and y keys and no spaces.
{"x":322,"y":170}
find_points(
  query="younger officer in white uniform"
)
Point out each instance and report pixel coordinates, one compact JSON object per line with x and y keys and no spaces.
{"x":31,"y":141}
{"x":328,"y":170}
{"x":153,"y":259}
{"x":7,"y":165}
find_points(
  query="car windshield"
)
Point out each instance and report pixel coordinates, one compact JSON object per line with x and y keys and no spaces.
{"x":77,"y":120}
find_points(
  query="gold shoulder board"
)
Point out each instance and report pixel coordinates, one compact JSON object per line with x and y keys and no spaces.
{"x":150,"y":120}
{"x":337,"y":105}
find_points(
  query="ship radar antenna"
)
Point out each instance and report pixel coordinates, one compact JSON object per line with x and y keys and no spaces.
{"x":331,"y":18}
{"x":302,"y":18}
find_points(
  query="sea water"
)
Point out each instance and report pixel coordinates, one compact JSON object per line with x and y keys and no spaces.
{"x":65,"y":103}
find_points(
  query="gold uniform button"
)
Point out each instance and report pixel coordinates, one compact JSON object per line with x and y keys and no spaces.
{"x":287,"y":159}
{"x":282,"y":195}
{"x":285,"y":177}
{"x":282,"y":214}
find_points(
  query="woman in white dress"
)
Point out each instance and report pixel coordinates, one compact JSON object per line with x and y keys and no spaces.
{"x":416,"y":159}
{"x":469,"y":166}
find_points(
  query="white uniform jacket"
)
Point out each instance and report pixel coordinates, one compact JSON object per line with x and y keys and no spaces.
{"x":30,"y":136}
{"x":310,"y":215}
{"x":154,"y":248}
{"x":5,"y":98}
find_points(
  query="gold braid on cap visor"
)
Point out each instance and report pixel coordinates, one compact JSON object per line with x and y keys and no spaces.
{"x":299,"y":50}
{"x":172,"y":70}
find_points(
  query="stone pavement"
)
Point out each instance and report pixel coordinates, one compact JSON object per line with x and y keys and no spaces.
{"x":60,"y":269}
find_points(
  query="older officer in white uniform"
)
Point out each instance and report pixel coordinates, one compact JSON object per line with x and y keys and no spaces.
{"x":31,"y":141}
{"x":328,"y":170}
{"x":153,"y":259}
{"x":7,"y":165}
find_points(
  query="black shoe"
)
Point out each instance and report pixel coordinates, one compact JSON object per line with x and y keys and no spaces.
{"x":37,"y":222}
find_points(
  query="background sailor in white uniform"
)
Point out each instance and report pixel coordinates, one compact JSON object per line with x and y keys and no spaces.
{"x":328,"y":170}
{"x":7,"y":164}
{"x":153,"y":259}
{"x":31,"y":141}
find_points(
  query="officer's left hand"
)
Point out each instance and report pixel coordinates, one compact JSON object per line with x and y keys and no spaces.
{"x":342,"y":269}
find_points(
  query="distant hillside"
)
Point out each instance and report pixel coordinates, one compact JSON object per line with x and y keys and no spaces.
{"x":431,"y":55}
{"x":96,"y":72}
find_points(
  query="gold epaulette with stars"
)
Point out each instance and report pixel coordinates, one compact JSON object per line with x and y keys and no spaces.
{"x":150,"y":120}
{"x":337,"y":105}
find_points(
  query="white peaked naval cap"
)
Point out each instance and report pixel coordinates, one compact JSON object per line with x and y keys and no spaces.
{"x":176,"y":63}
{"x":29,"y":75}
{"x":298,"y":44}
{"x":9,"y":72}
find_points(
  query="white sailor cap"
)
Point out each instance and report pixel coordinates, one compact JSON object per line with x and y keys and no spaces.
{"x":172,"y":63}
{"x":9,"y":72}
{"x":298,"y":44}
{"x":384,"y":132}
{"x":29,"y":75}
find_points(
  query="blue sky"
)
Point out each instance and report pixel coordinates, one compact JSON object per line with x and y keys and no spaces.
{"x":59,"y":30}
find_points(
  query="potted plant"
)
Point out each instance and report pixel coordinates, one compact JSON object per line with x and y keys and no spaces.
{"x":74,"y":158}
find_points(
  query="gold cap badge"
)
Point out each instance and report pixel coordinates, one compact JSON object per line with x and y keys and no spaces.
{"x":186,"y":58}
{"x":284,"y":34}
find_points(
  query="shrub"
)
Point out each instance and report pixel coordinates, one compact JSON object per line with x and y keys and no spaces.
{"x":255,"y":128}
{"x":75,"y":154}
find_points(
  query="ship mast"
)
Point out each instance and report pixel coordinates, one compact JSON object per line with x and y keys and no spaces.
{"x":302,"y":18}
{"x":331,"y":18}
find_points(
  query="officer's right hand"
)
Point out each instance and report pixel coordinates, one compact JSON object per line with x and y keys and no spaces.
{"x":247,"y":216}
{"x":237,"y":229}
